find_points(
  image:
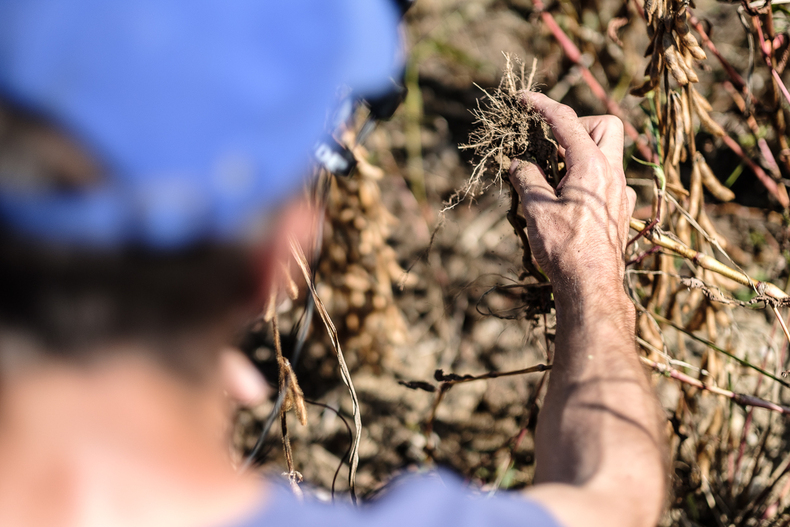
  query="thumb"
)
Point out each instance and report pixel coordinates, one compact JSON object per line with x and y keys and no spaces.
{"x":530,"y":182}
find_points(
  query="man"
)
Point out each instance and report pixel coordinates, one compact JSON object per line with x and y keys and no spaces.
{"x":146,"y":205}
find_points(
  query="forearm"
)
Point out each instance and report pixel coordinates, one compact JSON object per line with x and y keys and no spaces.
{"x":600,"y":426}
{"x":599,"y":444}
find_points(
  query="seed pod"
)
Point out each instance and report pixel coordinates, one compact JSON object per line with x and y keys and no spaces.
{"x":681,"y":26}
{"x":650,"y":10}
{"x":673,"y":179}
{"x":690,"y":42}
{"x":676,"y":121}
{"x":652,"y":45}
{"x":707,"y":121}
{"x":673,"y":60}
{"x":678,"y":190}
{"x":685,"y":112}
{"x":712,"y":183}
{"x":701,"y":107}
{"x":644,"y":88}
{"x":688,"y":66}
{"x":671,"y":141}
{"x":699,"y":101}
{"x":668,"y":23}
{"x":695,"y":190}
{"x":295,"y":396}
{"x":653,"y":68}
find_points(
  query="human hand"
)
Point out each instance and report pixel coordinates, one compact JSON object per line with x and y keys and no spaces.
{"x":578,"y":233}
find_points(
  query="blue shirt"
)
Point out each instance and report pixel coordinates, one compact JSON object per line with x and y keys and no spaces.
{"x":425,"y":501}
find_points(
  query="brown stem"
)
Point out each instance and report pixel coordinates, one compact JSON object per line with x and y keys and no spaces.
{"x":655,"y":237}
{"x":778,"y":191}
{"x":762,"y":144}
{"x":740,"y":398}
{"x":573,"y":53}
{"x":737,"y":80}
{"x":452,"y":378}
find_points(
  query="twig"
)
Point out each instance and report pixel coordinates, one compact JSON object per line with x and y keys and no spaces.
{"x":575,"y":56}
{"x":747,"y":424}
{"x":739,"y":398}
{"x":656,"y":237}
{"x":734,"y":75}
{"x":350,"y":440}
{"x":453,"y":378}
{"x":778,"y":191}
{"x":766,"y":48}
{"x":345,"y":375}
{"x":781,"y":321}
{"x":714,"y":347}
{"x":449,"y":380}
{"x":762,"y":144}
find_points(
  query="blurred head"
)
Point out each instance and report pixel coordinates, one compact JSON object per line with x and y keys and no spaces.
{"x":150,"y":155}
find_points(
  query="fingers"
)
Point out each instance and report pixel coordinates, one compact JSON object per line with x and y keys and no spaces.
{"x":581,"y":137}
{"x":568,"y":129}
{"x":607,"y":132}
{"x":529,"y":181}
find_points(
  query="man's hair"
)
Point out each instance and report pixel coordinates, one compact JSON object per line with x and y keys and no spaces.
{"x":73,"y":299}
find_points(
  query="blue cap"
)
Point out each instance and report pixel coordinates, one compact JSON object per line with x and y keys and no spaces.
{"x":204,"y":113}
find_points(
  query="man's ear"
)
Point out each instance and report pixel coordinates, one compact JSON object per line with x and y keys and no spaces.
{"x":298,"y":221}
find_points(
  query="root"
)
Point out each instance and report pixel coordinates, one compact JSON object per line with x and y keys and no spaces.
{"x":506,"y":127}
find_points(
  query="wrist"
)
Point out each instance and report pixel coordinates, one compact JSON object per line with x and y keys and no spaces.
{"x":593,"y":301}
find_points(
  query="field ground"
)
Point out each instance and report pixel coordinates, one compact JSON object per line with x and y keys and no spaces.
{"x":453,"y":310}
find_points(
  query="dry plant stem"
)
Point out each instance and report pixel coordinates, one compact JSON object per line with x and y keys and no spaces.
{"x":778,"y":191}
{"x":758,"y":501}
{"x":449,"y":380}
{"x":293,"y":476}
{"x":532,"y":404}
{"x":756,"y":462}
{"x":746,"y":425}
{"x":766,"y":48}
{"x":282,"y":387}
{"x":762,"y":144}
{"x":573,"y":53}
{"x":289,"y":459}
{"x":457,"y":379}
{"x":773,"y":508}
{"x":781,"y":322}
{"x":345,"y":375}
{"x":707,"y":262}
{"x":713,"y":346}
{"x":739,"y":398}
{"x":428,"y":430}
{"x":734,"y":75}
{"x":766,"y":36}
